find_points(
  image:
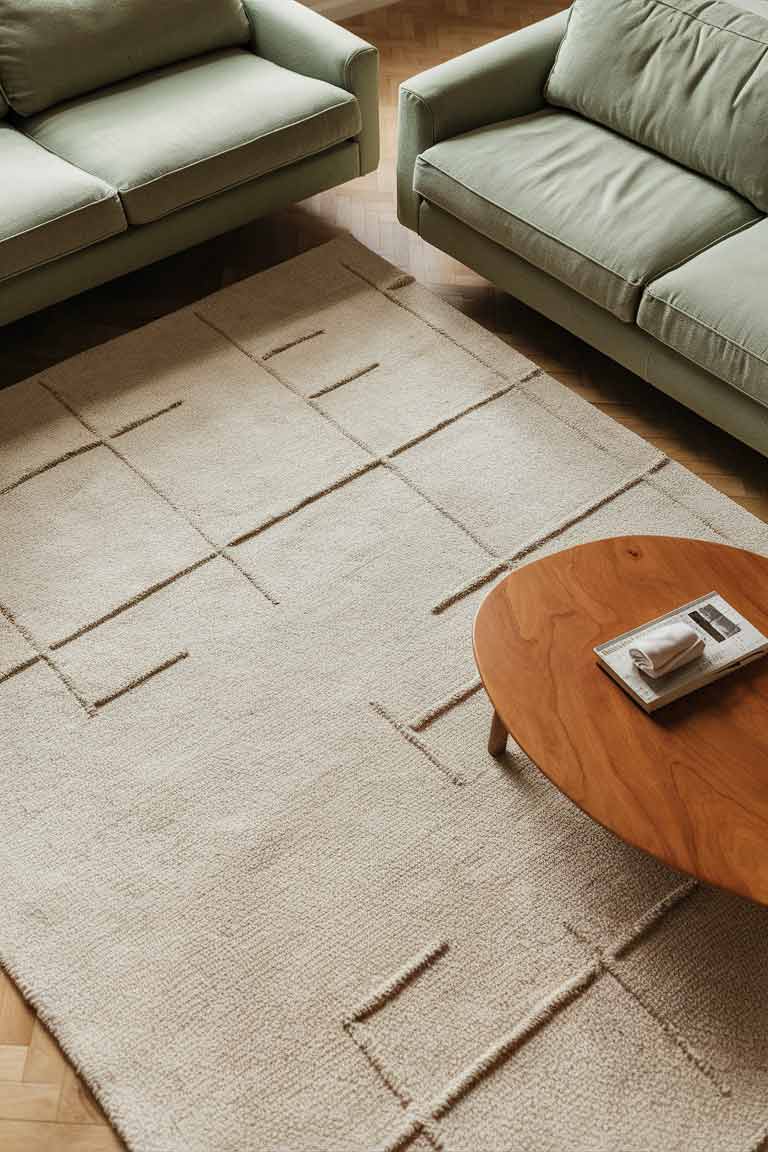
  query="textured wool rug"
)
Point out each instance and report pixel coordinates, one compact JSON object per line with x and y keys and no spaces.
{"x":257,"y":871}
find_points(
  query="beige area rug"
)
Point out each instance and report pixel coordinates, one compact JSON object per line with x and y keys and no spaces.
{"x":257,"y":870}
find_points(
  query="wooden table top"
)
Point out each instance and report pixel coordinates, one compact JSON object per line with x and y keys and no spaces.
{"x":689,"y":783}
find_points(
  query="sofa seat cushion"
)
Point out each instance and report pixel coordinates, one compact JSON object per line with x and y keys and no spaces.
{"x":187,"y":132}
{"x":581,"y":203}
{"x":48,"y":209}
{"x":713,"y":310}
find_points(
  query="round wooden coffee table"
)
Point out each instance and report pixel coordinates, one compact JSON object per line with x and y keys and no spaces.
{"x":689,"y":784}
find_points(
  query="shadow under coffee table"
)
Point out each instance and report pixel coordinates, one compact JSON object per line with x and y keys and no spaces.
{"x":688,"y":784}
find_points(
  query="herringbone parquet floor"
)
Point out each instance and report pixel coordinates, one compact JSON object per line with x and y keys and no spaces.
{"x":43,"y":1106}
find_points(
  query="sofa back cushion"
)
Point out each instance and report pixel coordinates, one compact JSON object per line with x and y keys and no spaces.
{"x":52,"y":50}
{"x":687,"y":78}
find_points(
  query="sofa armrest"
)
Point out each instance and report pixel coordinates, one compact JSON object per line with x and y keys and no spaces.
{"x":500,"y":80}
{"x":295,"y":37}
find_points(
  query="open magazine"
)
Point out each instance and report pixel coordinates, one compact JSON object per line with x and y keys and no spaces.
{"x":730,"y":642}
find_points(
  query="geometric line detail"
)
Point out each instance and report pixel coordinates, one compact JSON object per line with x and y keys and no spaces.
{"x":345,"y":380}
{"x":32,"y":660}
{"x":460,"y":696}
{"x":412,"y":738}
{"x":354,"y":1026}
{"x":225,"y":550}
{"x":126,"y":605}
{"x":138,"y":423}
{"x":388,"y":291}
{"x":531,"y":546}
{"x":385,"y":461}
{"x":44,"y":654}
{"x":141,"y":679}
{"x":293,"y":343}
{"x":107,"y":442}
{"x":401,"y":979}
{"x":422,"y":1119}
{"x":31,"y":473}
{"x":694,"y":1057}
{"x":705,"y":520}
{"x":304,"y":503}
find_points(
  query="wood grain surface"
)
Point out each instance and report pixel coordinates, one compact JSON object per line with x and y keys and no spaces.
{"x":689,"y":783}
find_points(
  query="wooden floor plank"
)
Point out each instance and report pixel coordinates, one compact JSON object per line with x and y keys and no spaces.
{"x":45,"y":1063}
{"x":18,"y":1136}
{"x":16,"y":1018}
{"x":76,"y":1104}
{"x":29,"y":1101}
{"x":12,"y":1060}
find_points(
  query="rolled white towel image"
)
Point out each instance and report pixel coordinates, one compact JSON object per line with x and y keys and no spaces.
{"x":666,"y":648}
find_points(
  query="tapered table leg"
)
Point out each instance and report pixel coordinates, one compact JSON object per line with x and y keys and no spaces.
{"x":497,"y":741}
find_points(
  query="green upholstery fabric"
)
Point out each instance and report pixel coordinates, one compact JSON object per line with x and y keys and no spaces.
{"x":139,"y":246}
{"x":723,"y":405}
{"x":192,"y":130}
{"x":688,"y":78}
{"x":499,"y":80}
{"x":191,"y":150}
{"x":556,"y":216}
{"x":295,"y":37}
{"x":52,"y":50}
{"x":714,"y":311}
{"x":583,"y":204}
{"x":47,"y":207}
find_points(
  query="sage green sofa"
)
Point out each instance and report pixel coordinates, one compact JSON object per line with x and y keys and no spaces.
{"x":130,"y":129}
{"x":609,"y":167}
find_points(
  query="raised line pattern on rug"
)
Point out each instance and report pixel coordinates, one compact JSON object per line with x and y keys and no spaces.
{"x":421,"y":1117}
{"x":272,"y":517}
